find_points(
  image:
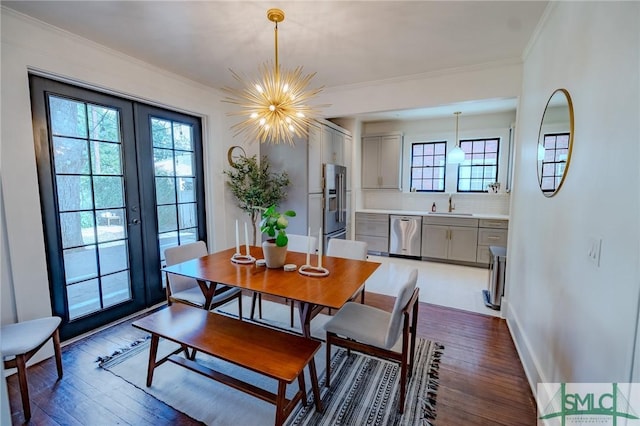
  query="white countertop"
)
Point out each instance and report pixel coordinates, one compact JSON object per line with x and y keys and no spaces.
{"x":441,"y":214}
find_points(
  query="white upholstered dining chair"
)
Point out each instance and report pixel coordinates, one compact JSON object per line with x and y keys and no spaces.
{"x":299,"y":243}
{"x":185,"y":289}
{"x":389,"y":335}
{"x":348,"y":249}
{"x":19,"y":342}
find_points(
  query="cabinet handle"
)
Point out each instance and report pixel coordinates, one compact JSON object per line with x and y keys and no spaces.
{"x":494,"y":238}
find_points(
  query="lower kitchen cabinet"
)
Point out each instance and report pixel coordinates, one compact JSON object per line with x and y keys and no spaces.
{"x":373,"y":229}
{"x":450,"y":238}
{"x":491,"y":232}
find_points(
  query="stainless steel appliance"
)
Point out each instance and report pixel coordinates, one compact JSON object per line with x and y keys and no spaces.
{"x":405,"y":237}
{"x":335,"y":202}
{"x":497,"y":266}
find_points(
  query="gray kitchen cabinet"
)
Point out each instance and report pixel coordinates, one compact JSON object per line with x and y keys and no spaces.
{"x":315,"y":159}
{"x":450,"y":238}
{"x":348,"y":155}
{"x":373,"y":229}
{"x":315,"y":213}
{"x":326,"y":145}
{"x":491,"y":232}
{"x":381,"y":161}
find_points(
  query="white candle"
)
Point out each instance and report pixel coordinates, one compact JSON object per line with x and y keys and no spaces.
{"x":320,"y":248}
{"x":237,"y":240}
{"x":246,"y":238}
{"x":308,"y":245}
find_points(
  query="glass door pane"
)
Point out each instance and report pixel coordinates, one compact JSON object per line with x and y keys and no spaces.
{"x":89,"y":178}
{"x":174,"y":173}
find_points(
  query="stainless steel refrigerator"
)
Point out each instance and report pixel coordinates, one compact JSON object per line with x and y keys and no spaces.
{"x":335,"y":202}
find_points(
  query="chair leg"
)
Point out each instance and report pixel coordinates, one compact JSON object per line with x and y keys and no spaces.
{"x":58,"y":352}
{"x":403,"y":385}
{"x":21,"y":365}
{"x":362,"y":296}
{"x":328,"y":362}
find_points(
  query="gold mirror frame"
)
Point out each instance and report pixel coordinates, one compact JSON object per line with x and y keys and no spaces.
{"x":556,"y":130}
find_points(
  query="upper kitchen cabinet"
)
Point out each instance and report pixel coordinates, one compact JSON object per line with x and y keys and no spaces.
{"x":332,"y":146}
{"x":326,"y":146}
{"x":315,"y":159}
{"x":381,"y":161}
{"x":348,"y":155}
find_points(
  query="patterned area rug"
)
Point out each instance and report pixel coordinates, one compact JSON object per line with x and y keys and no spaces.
{"x":364,"y":390}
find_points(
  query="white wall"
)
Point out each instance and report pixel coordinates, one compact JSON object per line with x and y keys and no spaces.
{"x":574,"y":321}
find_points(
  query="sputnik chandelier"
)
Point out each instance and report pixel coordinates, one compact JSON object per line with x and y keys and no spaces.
{"x":275,"y":105}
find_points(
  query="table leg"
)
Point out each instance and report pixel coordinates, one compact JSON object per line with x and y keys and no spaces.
{"x":208,"y":290}
{"x":305,"y":310}
{"x":153,"y":350}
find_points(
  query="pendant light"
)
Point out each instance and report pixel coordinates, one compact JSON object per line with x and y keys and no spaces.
{"x":273,"y":106}
{"x":456,"y":155}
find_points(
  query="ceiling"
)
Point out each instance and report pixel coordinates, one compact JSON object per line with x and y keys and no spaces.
{"x":344,"y":42}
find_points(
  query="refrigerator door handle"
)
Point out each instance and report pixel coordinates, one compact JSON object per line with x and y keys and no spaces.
{"x":341,"y":184}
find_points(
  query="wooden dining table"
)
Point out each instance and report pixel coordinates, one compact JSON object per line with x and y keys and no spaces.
{"x":312,"y":294}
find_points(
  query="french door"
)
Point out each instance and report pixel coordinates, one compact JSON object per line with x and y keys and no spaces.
{"x":119,"y":182}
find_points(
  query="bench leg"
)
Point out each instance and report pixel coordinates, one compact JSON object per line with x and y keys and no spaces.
{"x":314,"y":385}
{"x":303,"y":388}
{"x":153,"y":350}
{"x":280,"y":402}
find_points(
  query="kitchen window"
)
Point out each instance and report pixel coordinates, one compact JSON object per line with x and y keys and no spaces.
{"x":480,"y":166}
{"x":428,"y":163}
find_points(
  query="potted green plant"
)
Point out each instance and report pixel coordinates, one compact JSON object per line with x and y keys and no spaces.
{"x":274,"y":224}
{"x":255,"y":186}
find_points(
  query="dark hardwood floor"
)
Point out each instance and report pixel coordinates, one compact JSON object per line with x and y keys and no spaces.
{"x":481,"y":379}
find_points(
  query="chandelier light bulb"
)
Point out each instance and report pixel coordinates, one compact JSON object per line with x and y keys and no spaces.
{"x":262,"y":121}
{"x":254,"y":115}
{"x":259,"y":88}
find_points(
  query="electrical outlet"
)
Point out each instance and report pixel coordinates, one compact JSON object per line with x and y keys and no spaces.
{"x":595,"y":247}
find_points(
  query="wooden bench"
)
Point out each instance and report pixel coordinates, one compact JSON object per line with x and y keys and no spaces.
{"x":273,"y":353}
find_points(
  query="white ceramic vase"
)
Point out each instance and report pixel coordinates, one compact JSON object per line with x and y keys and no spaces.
{"x":274,"y":256}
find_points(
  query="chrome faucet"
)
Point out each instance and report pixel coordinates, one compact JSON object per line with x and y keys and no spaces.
{"x":452,"y":207}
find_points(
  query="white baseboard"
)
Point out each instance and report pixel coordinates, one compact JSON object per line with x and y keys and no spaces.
{"x":527,"y":356}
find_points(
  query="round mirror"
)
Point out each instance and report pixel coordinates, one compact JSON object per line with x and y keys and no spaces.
{"x":554,"y":142}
